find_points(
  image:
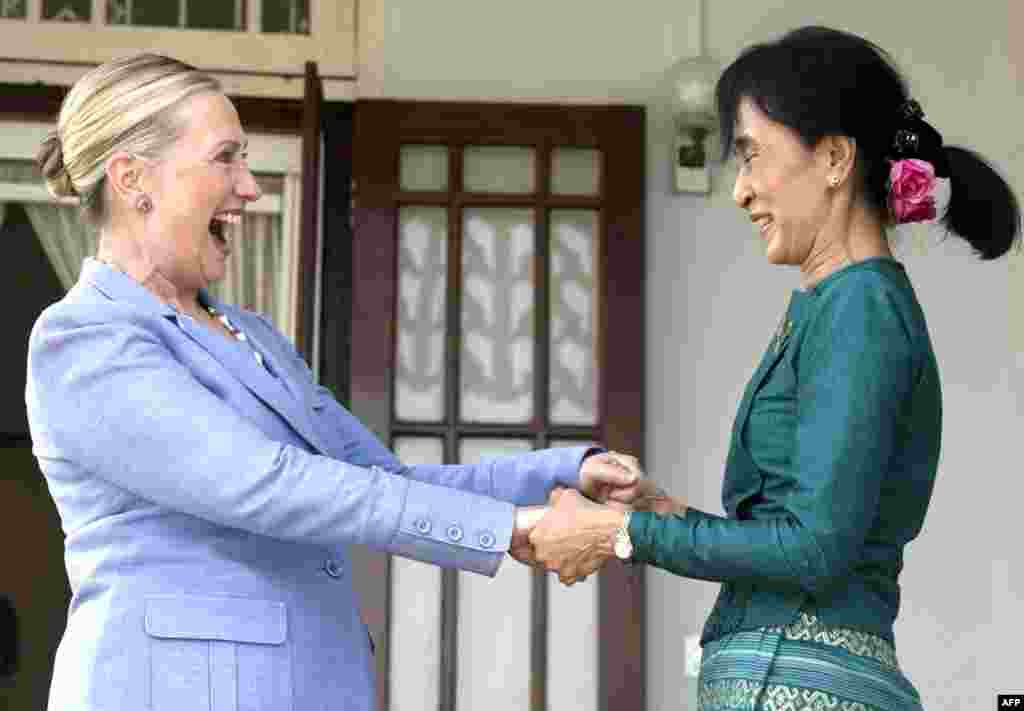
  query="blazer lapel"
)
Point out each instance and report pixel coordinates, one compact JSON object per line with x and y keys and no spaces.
{"x":240,"y":362}
{"x":236,"y":356}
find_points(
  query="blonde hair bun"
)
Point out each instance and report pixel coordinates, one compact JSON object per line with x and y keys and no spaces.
{"x":50,"y":160}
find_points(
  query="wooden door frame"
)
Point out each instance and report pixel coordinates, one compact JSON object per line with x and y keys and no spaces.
{"x":381,"y":126}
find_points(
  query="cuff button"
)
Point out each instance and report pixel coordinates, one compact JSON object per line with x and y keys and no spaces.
{"x":422,"y":525}
{"x":454,"y":533}
{"x":486,"y":539}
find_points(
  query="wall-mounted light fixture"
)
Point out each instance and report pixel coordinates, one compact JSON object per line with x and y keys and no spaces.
{"x":691,"y":87}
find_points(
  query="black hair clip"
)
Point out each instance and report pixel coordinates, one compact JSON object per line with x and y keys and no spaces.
{"x":911,"y":111}
{"x":905,"y":142}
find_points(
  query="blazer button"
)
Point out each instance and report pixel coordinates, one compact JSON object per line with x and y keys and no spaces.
{"x":332,"y":569}
{"x":454,"y":533}
{"x":486,"y":539}
{"x":422,"y":525}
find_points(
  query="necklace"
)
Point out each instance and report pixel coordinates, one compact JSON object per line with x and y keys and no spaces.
{"x":234,"y":331}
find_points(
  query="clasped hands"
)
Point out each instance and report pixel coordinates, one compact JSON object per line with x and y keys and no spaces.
{"x":574,"y":533}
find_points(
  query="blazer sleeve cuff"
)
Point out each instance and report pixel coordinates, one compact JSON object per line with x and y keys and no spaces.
{"x":454,"y":529}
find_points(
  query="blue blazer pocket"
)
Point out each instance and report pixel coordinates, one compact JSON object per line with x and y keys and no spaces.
{"x":217,"y":653}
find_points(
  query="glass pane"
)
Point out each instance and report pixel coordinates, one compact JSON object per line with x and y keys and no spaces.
{"x":415,"y":619}
{"x":286,"y":16}
{"x":572,"y":645}
{"x":67,"y":10}
{"x":148,"y":13}
{"x":574,"y":312}
{"x":221,"y":15}
{"x":572,"y":636}
{"x":12,"y":9}
{"x":424,"y":168}
{"x":497,"y":315}
{"x":499,"y":169}
{"x":493,"y":658}
{"x":422,"y":299}
{"x":575,"y":171}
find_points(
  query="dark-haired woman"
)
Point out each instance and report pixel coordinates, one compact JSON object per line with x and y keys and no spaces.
{"x":835,"y":446}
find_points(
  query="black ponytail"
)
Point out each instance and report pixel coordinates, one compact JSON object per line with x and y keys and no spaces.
{"x":982,"y":208}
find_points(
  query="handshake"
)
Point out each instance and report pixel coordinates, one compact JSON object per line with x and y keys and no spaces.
{"x":574,"y":534}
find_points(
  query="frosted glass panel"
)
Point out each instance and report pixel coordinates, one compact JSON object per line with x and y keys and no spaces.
{"x":419,"y":450}
{"x":575,"y":171}
{"x":572,"y":645}
{"x":499,"y":169}
{"x":572,"y":637}
{"x":574,"y":312}
{"x":422,"y":289}
{"x":415,"y":652}
{"x":494,"y":620}
{"x":497,"y":315}
{"x":424,"y":168}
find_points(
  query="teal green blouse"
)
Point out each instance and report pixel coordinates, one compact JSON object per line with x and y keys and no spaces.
{"x":830,"y":469}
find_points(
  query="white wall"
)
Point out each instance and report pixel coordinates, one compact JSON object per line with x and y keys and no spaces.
{"x":713,"y":299}
{"x":567,"y":50}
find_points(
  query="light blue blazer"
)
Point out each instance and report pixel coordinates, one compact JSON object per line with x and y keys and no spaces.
{"x":208,"y":502}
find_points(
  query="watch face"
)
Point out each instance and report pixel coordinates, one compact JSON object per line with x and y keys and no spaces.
{"x":623,"y":548}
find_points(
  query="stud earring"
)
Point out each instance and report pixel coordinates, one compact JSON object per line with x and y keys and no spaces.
{"x":144,"y":204}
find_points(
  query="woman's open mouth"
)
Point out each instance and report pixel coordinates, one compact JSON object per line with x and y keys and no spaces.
{"x":221,"y":226}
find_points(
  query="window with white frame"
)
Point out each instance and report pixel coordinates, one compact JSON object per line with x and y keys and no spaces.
{"x":263,"y":267}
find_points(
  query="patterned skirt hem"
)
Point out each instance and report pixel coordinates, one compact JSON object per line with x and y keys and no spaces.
{"x":805,"y":666}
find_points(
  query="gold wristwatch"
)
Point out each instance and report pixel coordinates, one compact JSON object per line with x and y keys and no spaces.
{"x":623,"y":545}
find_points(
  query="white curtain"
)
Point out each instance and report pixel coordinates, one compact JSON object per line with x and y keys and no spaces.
{"x":64,"y":237}
{"x":259,"y":273}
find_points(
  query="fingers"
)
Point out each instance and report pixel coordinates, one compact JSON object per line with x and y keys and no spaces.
{"x":608,"y":470}
{"x":570,"y":575}
{"x":643,"y":489}
{"x":626,"y":468}
{"x":627,"y":460}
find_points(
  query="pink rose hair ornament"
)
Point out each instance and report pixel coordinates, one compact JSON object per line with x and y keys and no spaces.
{"x":917,"y":161}
{"x":911,"y":188}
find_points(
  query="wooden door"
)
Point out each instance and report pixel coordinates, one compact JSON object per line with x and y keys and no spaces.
{"x":498,"y":305}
